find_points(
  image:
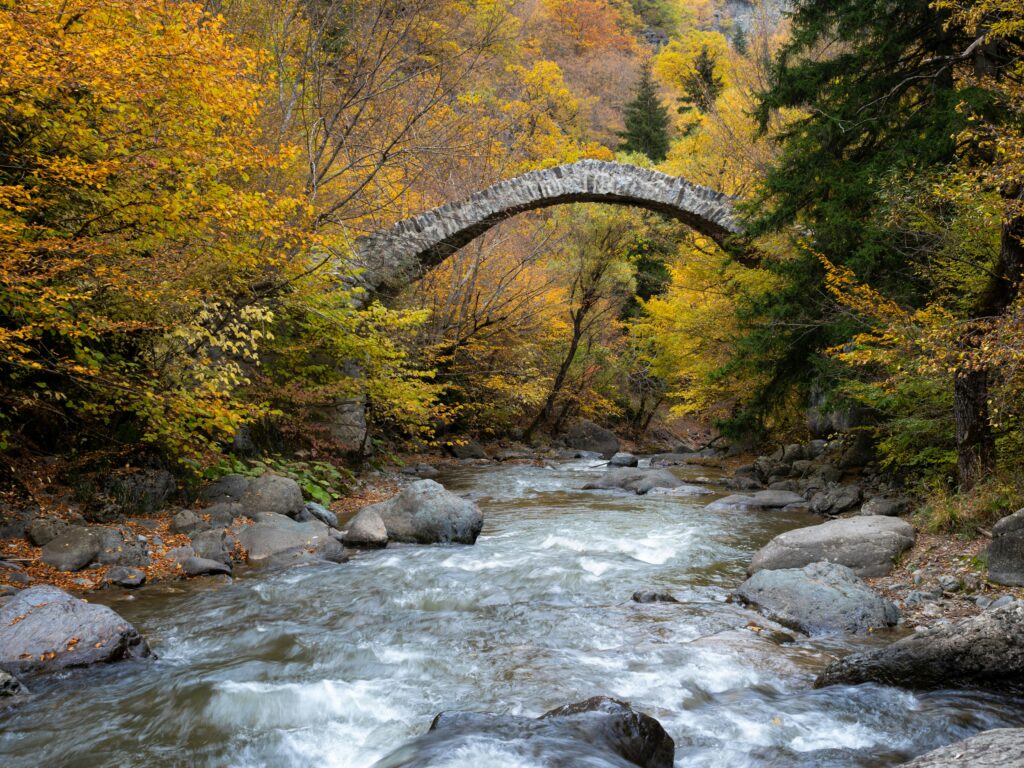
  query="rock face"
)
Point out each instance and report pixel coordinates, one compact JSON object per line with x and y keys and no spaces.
{"x":588,"y":436}
{"x":423,"y":512}
{"x":394,"y":255}
{"x":143,"y":492}
{"x":637,"y":480}
{"x":758,"y":500}
{"x":599,"y":731}
{"x":366,"y":530}
{"x":999,"y":748}
{"x":984,"y":651}
{"x":44,"y":628}
{"x":1006,"y":552}
{"x":272,"y":493}
{"x":73,"y":550}
{"x":820,"y":598}
{"x":867,"y":545}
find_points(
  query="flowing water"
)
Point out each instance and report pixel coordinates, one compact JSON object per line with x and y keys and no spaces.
{"x":339,"y":665}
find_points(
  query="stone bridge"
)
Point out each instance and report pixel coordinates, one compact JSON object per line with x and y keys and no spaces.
{"x":399,"y":254}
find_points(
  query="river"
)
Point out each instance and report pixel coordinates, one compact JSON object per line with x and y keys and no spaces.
{"x":338,"y":665}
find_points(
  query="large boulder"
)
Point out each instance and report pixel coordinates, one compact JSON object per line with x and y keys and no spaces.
{"x":366,"y":530}
{"x":273,"y":493}
{"x":599,"y":731}
{"x":984,"y":651}
{"x":230,"y":488}
{"x":588,"y":436}
{"x":636,"y":480}
{"x":273,"y":536}
{"x":820,"y":598}
{"x":45,"y":628}
{"x":423,"y":512}
{"x":867,"y":545}
{"x":999,"y":748}
{"x":74,"y":549}
{"x":141,"y":492}
{"x":1006,"y":552}
{"x":759,"y":500}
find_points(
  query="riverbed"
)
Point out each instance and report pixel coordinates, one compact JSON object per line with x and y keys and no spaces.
{"x":338,"y":665}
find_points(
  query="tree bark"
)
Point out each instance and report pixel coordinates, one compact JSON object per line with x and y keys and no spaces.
{"x":975,"y":443}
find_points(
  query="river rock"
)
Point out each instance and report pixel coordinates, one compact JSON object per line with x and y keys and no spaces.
{"x":273,"y":535}
{"x":230,"y":488}
{"x":984,"y":651}
{"x":470,"y":450}
{"x":681,"y":490}
{"x":211,"y":545}
{"x":867,"y":545}
{"x":820,"y":598}
{"x":998,"y":748}
{"x":588,"y":436}
{"x":637,"y":480}
{"x":425,"y":513}
{"x":115,"y":549}
{"x":123,"y":576}
{"x":272,"y":493}
{"x":651,"y":596}
{"x":18,"y":508}
{"x":623,"y":460}
{"x":188,"y":522}
{"x":1006,"y":552}
{"x":366,"y":530}
{"x":10,"y":685}
{"x":200,"y":566}
{"x":72,"y":550}
{"x":884,"y":506}
{"x":321,"y":513}
{"x":45,"y":629}
{"x":836,"y":499}
{"x":222,"y":514}
{"x":43,"y":530}
{"x":599,"y":731}
{"x":771,"y":499}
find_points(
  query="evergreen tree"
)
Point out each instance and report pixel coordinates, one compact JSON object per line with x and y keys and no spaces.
{"x":885,"y":105}
{"x":702,"y":87}
{"x":647,"y":121}
{"x":739,"y":41}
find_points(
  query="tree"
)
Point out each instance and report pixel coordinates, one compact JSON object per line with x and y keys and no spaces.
{"x":739,"y":41}
{"x":647,"y":121}
{"x":702,"y":86}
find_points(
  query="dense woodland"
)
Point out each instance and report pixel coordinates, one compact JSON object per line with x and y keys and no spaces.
{"x":182,"y":184}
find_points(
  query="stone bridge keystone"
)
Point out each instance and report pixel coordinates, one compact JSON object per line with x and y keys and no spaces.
{"x":399,"y":254}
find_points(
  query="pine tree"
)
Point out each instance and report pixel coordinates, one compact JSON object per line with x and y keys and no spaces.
{"x":702,"y":87}
{"x":885,"y":105}
{"x":647,"y":121}
{"x":739,"y":41}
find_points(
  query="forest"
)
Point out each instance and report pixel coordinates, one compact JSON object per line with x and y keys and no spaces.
{"x":182,"y":186}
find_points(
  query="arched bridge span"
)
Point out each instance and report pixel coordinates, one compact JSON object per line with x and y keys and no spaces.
{"x":394,"y":256}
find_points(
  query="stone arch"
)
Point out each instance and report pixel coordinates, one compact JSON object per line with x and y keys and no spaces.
{"x":394,"y":256}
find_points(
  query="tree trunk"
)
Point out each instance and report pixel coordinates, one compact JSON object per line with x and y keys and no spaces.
{"x":563,"y":371}
{"x":975,"y":443}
